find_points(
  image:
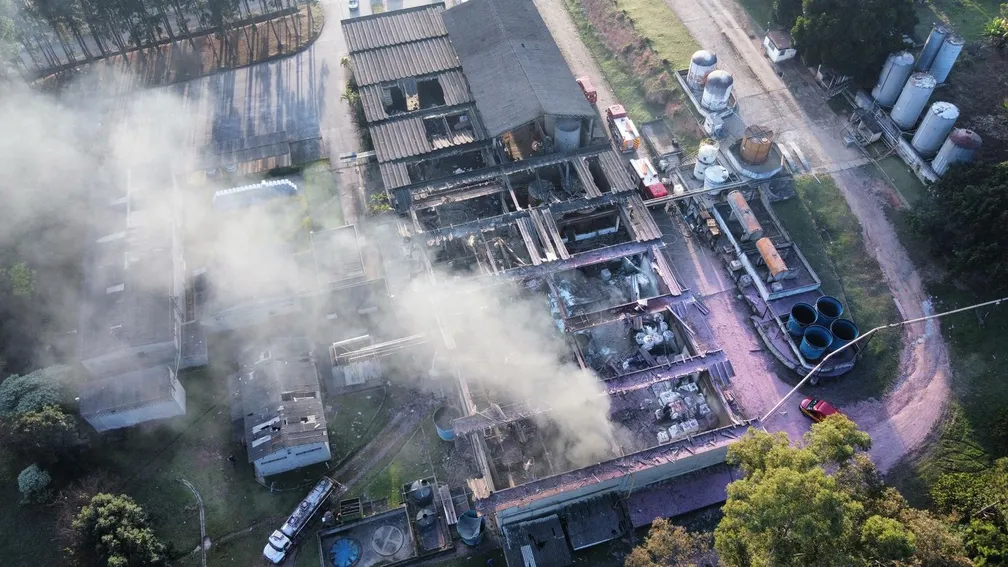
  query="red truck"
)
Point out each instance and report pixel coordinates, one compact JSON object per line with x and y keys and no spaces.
{"x":647,"y":179}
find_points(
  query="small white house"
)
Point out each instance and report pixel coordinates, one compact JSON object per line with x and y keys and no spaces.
{"x":778,"y":46}
{"x":125,"y":400}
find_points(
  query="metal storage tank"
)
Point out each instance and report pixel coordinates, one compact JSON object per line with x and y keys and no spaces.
{"x":815,"y":341}
{"x":946,"y":57}
{"x":959,"y":147}
{"x":931,"y":47}
{"x":828,"y":309}
{"x":912,"y":100}
{"x":935,"y":127}
{"x":844,"y":331}
{"x":802,"y":315}
{"x":715,"y":176}
{"x":717,"y":90}
{"x":894,"y":75}
{"x":751,"y":229}
{"x":567,"y":134}
{"x":756,"y":142}
{"x":443,"y":417}
{"x":706,"y":157}
{"x":702,"y":63}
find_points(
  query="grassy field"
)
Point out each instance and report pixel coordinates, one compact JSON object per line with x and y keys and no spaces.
{"x":897,"y":174}
{"x":666,"y":35}
{"x":829,"y":236}
{"x":356,"y":414}
{"x":761,"y":11}
{"x":967,"y":17}
{"x":417,"y":459}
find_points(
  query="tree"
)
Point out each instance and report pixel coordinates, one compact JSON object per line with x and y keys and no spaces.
{"x":32,"y":392}
{"x":825,"y":504}
{"x":112,"y":530}
{"x":786,"y":12}
{"x":33,"y":482}
{"x":667,"y":544}
{"x":45,"y":435}
{"x":852,"y":37}
{"x":978,"y":503}
{"x":962,"y":218}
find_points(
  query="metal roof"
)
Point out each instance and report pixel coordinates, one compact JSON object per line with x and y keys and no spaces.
{"x":538,"y":542}
{"x":408,"y":136}
{"x":130,"y":390}
{"x":394,"y":175}
{"x":453,"y":85}
{"x":404,"y":60}
{"x":392,"y":28}
{"x":337,"y":255}
{"x":515,"y":70}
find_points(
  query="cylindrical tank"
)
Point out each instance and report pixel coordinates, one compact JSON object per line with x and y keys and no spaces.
{"x":815,"y":341}
{"x":828,"y":309}
{"x":706,"y":157}
{"x":913,"y":99}
{"x":751,"y":229}
{"x":935,"y":127}
{"x":443,"y":417}
{"x":894,"y":75}
{"x":959,"y":147}
{"x":470,"y":527}
{"x":844,"y":331}
{"x":802,"y":315}
{"x":421,"y":492}
{"x":567,"y":134}
{"x":715,"y":176}
{"x":931,"y":47}
{"x":946,"y":57}
{"x":717,"y":90}
{"x":702,"y":63}
{"x":756,"y":143}
{"x":426,"y":518}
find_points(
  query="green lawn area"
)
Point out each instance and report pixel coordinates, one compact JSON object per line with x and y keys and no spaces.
{"x":761,"y":11}
{"x":666,"y":35}
{"x":322,"y":192}
{"x":355,"y":415}
{"x":829,"y":235}
{"x":967,"y":17}
{"x":897,"y":174}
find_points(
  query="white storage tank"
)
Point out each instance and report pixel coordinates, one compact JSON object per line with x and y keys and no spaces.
{"x":931,"y":47}
{"x":706,"y":157}
{"x":959,"y":147}
{"x":913,"y":99}
{"x":946,"y":57}
{"x":567,"y":134}
{"x":717,"y":90}
{"x":936,"y":126}
{"x":715,"y":176}
{"x":701,"y":65}
{"x":895,"y":73}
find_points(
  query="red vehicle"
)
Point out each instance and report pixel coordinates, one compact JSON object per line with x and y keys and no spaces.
{"x":647,"y":179}
{"x":588,"y":89}
{"x":817,"y":410}
{"x":623,"y":131}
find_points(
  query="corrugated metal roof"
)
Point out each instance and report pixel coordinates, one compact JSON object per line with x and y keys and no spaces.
{"x":541,"y":542}
{"x":392,"y":28}
{"x":404,"y":60}
{"x":394,"y":175}
{"x":126,"y":391}
{"x":407,"y":136}
{"x":515,"y":70}
{"x":453,"y":85}
{"x":615,"y":172}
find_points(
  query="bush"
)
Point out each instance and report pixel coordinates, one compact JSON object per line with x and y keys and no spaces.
{"x":32,"y":392}
{"x":996,"y":30}
{"x":33,"y":483}
{"x":114,"y":530}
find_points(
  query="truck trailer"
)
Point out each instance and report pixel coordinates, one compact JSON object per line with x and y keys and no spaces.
{"x":281,"y":540}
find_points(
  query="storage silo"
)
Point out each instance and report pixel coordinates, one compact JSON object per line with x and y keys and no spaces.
{"x":715,"y":176}
{"x":936,"y":126}
{"x":912,"y":100}
{"x":756,"y":142}
{"x":931,"y":47}
{"x":567,"y":134}
{"x":959,"y":147}
{"x":895,"y":73}
{"x":706,"y":157}
{"x":717,"y":90}
{"x":701,"y":65}
{"x":946,"y":57}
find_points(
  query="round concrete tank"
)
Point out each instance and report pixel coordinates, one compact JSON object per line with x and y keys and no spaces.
{"x":894,"y":75}
{"x":913,"y":99}
{"x":717,"y":90}
{"x":946,"y":57}
{"x":844,"y":332}
{"x":443,"y":417}
{"x":756,"y":142}
{"x":701,"y":65}
{"x":931,"y":47}
{"x":828,"y":309}
{"x":935,"y":127}
{"x":959,"y":147}
{"x":802,"y":315}
{"x":567,"y":134}
{"x":815,"y":341}
{"x":715,"y":176}
{"x":706,"y":157}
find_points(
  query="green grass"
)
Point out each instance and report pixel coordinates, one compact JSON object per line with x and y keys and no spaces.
{"x":415,"y":460}
{"x":829,"y":236}
{"x":967,"y":17}
{"x":665,"y":34}
{"x":761,"y":11}
{"x":357,"y":415}
{"x":322,"y":192}
{"x":897,"y":174}
{"x":27,"y":534}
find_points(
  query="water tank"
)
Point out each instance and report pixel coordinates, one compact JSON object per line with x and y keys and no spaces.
{"x":756,"y":143}
{"x":946,"y":57}
{"x":717,"y":90}
{"x":802,"y":315}
{"x":894,"y":75}
{"x":931,"y":47}
{"x":844,"y":331}
{"x":935,"y":127}
{"x":443,"y":417}
{"x":959,"y":147}
{"x":828,"y":309}
{"x":567,"y":134}
{"x":701,"y":65}
{"x":815,"y":341}
{"x":421,"y":492}
{"x":715,"y":176}
{"x":912,"y":100}
{"x":706,"y":157}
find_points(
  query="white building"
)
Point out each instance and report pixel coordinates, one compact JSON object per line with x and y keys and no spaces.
{"x":778,"y":46}
{"x":125,"y":400}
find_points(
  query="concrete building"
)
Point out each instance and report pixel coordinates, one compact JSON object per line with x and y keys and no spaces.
{"x":281,"y":412}
{"x":131,"y":398}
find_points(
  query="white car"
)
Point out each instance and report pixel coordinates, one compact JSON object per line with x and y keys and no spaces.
{"x":277,"y":548}
{"x":354,"y":4}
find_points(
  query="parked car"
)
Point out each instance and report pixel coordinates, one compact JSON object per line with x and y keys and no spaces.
{"x":588,"y":89}
{"x":817,"y":410}
{"x":354,"y":4}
